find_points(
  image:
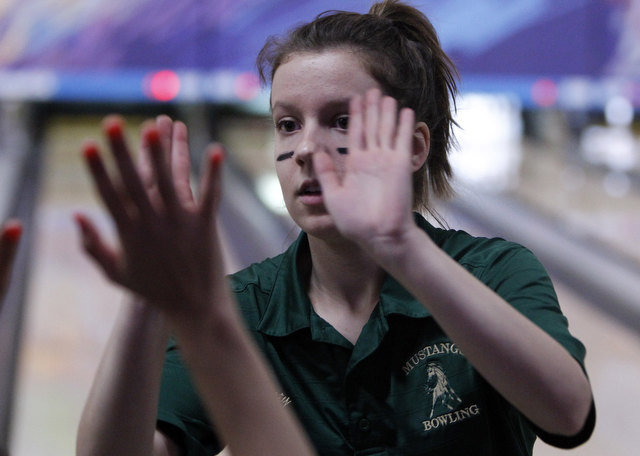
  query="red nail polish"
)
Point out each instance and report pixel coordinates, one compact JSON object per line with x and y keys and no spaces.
{"x":152,"y":136}
{"x":81,"y":221}
{"x":217,"y":157}
{"x":114,"y":129}
{"x":90,"y":151}
{"x":13,"y":232}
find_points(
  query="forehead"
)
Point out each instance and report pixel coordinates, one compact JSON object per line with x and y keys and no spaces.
{"x":325,"y":75}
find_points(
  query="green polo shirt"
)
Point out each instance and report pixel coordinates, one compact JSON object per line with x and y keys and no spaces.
{"x":404,"y":388}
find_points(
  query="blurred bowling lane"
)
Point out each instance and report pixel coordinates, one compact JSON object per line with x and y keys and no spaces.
{"x":71,"y":310}
{"x":70,"y":306}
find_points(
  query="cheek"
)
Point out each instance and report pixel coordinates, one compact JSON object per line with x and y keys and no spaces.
{"x":279,"y":173}
{"x":284,"y":178}
{"x":284,"y":143}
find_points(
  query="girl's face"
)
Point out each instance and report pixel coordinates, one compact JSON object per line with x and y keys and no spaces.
{"x":310,"y":96}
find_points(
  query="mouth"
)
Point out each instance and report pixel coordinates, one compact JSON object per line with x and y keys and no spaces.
{"x":310,"y":188}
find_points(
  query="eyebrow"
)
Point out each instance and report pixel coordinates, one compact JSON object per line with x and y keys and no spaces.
{"x":340,"y":103}
{"x":284,"y":156}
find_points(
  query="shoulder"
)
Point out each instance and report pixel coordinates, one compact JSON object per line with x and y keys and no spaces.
{"x":258,"y":276}
{"x":482,"y":253}
{"x":515,"y":274}
{"x":504,"y":266}
{"x":253,"y":287}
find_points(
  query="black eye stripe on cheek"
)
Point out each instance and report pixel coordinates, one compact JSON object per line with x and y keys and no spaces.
{"x":342,"y":150}
{"x":284,"y":156}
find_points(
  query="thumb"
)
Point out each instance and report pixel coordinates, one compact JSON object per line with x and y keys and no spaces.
{"x":95,"y":247}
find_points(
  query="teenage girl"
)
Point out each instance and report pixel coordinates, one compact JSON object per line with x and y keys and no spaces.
{"x":378,"y":332}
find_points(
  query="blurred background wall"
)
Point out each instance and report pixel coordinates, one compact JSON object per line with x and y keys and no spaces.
{"x":548,"y":156}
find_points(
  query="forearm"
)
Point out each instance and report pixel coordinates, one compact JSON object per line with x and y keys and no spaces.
{"x":236,"y":385}
{"x":119,"y":416}
{"x":170,"y":254}
{"x":522,"y":362}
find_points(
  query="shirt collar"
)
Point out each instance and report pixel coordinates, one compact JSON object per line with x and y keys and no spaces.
{"x":289,"y":307}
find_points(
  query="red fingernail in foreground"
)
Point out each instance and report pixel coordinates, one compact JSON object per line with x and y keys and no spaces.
{"x":152,"y":136}
{"x":217,"y":157}
{"x":13,"y":231}
{"x":90,"y":151}
{"x":114,"y":129}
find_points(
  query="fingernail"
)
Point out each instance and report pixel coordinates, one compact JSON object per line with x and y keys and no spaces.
{"x":152,"y":136}
{"x":217,"y":157}
{"x":81,"y":222}
{"x":114,"y":129}
{"x":90,"y":151}
{"x":13,"y":231}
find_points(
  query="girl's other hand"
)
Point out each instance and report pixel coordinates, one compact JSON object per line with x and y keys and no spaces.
{"x":168,"y":251}
{"x":370,"y":201}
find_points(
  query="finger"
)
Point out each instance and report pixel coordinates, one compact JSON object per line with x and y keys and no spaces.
{"x":145,"y":169}
{"x":161,"y":168}
{"x":105,"y":256}
{"x":113,"y":128}
{"x":371,"y":118}
{"x":164,"y":124}
{"x":388,"y":121}
{"x":212,"y":182}
{"x":181,"y":164}
{"x":107,"y":191}
{"x":9,"y":239}
{"x":10,"y":235}
{"x":356,"y":121}
{"x":326,"y":172}
{"x":404,"y":138}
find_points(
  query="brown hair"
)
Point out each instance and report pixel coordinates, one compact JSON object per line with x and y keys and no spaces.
{"x":400,"y":48}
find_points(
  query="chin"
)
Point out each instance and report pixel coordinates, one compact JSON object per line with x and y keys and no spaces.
{"x":320,"y":226}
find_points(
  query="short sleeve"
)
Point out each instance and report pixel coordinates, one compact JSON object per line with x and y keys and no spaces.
{"x":181,"y":415}
{"x":521,"y":280}
{"x":572,"y":441}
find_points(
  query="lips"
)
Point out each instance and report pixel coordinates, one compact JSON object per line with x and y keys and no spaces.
{"x":310,"y":193}
{"x":310,"y":187}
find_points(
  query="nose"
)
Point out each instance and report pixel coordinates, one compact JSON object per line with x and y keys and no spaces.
{"x":308,"y":145}
{"x":303,"y":156}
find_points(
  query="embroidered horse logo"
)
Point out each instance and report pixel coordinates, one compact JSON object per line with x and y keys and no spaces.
{"x":442,"y":394}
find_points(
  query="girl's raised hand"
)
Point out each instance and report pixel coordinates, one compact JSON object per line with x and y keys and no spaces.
{"x":169,"y":253}
{"x":370,"y":199}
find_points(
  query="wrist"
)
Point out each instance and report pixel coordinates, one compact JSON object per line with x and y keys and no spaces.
{"x":199,"y":320}
{"x":389,"y":251}
{"x":221,"y":334}
{"x":140,"y":314}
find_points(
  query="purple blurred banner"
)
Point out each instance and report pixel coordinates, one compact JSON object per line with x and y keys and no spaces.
{"x":88,"y":45}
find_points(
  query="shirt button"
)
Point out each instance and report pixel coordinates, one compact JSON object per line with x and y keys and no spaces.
{"x":364,"y":425}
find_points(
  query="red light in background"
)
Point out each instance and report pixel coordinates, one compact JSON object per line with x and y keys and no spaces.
{"x":544,"y":92}
{"x":162,"y":86}
{"x":246,"y":86}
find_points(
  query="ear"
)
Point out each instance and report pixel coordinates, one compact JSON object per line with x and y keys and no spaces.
{"x":421,"y":144}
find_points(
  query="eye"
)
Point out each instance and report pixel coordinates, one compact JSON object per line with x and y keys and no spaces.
{"x":342,"y":122}
{"x":287,"y":125}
